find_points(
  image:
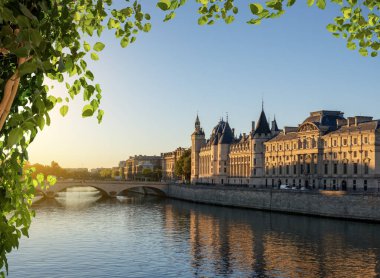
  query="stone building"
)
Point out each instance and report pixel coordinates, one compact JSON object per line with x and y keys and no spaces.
{"x":227,"y":159}
{"x":136,"y":164}
{"x":326,"y":151}
{"x":168,"y":161}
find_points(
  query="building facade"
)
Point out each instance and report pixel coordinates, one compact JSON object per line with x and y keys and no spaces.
{"x":168,"y":161}
{"x":326,"y":151}
{"x":136,"y":164}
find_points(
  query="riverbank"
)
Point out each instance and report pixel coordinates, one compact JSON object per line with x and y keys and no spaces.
{"x":336,"y":204}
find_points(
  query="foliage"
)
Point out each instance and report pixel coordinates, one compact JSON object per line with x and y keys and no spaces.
{"x":182,"y":167}
{"x":105,"y":173}
{"x":148,"y":174}
{"x":46,"y":39}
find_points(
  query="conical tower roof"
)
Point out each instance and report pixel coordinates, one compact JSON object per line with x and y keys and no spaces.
{"x":262,"y":124}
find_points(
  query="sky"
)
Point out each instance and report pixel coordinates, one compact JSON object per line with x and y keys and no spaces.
{"x":153,"y":89}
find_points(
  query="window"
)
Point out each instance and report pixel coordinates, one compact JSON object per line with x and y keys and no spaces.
{"x":335,"y":168}
{"x":334,"y":143}
{"x":365,"y":140}
{"x":355,"y":168}
{"x":345,"y":168}
{"x":354,"y":184}
{"x":254,"y":171}
{"x":315,"y":168}
{"x":308,"y":168}
{"x":365,"y":185}
{"x":295,"y":169}
{"x":335,"y":155}
{"x":302,"y":169}
{"x":280,"y":170}
{"x":355,"y":141}
{"x":366,"y":170}
{"x":366,"y":153}
{"x":273,"y":171}
{"x":344,"y":155}
{"x":326,"y":169}
{"x":254,"y":161}
{"x":344,"y":142}
{"x":287,"y":169}
{"x":355,"y":154}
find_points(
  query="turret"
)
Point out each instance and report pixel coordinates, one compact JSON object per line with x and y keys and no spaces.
{"x":259,"y":136}
{"x":197,"y":141}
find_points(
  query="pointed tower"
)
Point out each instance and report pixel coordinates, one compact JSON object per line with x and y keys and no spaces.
{"x":259,"y":136}
{"x":275,"y":130}
{"x":197,"y":141}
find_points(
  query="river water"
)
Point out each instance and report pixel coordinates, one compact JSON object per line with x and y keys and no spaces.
{"x":80,"y":234}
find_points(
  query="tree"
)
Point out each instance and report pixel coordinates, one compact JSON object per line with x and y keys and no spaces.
{"x":44,"y":39}
{"x":182,"y":167}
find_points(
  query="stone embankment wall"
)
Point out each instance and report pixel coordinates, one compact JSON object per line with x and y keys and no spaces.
{"x":336,"y":204}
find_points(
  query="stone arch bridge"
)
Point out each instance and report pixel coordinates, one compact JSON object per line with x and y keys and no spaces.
{"x":107,"y":188}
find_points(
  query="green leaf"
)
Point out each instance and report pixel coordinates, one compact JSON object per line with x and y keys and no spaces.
{"x":363,"y":51}
{"x":51,"y":180}
{"x":351,"y":45}
{"x":94,"y":56}
{"x":100,"y":115}
{"x":86,"y":46}
{"x":14,"y":137}
{"x":164,"y":4}
{"x":169,"y":16}
{"x":256,"y":8}
{"x":310,"y":3}
{"x":63,"y":110}
{"x":41,"y":122}
{"x":229,"y":19}
{"x":147,"y":27}
{"x":26,"y":11}
{"x":290,"y":3}
{"x":373,"y":54}
{"x":40,"y":178}
{"x":321,"y":4}
{"x":87,"y":111}
{"x":202,"y":20}
{"x":331,"y":28}
{"x":124,"y":42}
{"x":99,"y":46}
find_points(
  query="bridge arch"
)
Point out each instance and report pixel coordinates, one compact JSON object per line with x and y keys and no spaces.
{"x":158,"y":191}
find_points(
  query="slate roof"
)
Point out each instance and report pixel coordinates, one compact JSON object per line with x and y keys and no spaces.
{"x":262,"y":125}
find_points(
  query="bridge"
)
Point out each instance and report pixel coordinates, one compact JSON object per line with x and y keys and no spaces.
{"x":107,"y":188}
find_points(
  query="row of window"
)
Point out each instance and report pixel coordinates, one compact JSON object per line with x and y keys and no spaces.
{"x":312,"y":143}
{"x":307,"y":169}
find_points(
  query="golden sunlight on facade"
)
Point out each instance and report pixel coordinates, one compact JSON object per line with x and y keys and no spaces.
{"x":326,"y":151}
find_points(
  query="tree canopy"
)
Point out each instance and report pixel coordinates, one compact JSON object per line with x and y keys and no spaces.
{"x":46,"y":39}
{"x":182,"y":167}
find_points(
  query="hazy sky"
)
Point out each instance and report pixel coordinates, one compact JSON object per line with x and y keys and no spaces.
{"x":153,"y":89}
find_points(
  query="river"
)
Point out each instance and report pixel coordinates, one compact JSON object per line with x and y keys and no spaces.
{"x":81,"y":234}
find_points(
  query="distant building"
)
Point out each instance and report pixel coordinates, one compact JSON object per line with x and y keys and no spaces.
{"x":122,"y":165}
{"x":136,"y":164}
{"x":326,"y":151}
{"x":168,"y":161}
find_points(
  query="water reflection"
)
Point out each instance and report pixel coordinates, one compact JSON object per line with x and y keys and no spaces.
{"x":250,"y":243}
{"x":85,"y":235}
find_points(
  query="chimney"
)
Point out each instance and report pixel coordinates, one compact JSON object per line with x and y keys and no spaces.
{"x":253,"y":125}
{"x":244,"y":135}
{"x":350,"y":121}
{"x":341,"y":122}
